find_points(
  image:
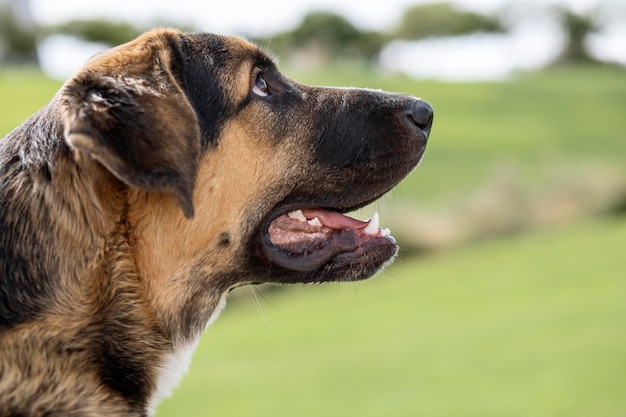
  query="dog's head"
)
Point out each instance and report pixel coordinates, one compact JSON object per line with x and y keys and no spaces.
{"x":223,"y":163}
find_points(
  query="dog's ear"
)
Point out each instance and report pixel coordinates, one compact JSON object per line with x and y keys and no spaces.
{"x":127,"y":110}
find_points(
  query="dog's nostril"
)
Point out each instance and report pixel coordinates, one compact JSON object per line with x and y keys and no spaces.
{"x":420,"y":115}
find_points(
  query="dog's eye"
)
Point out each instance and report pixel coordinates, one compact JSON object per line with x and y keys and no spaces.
{"x":260,"y":87}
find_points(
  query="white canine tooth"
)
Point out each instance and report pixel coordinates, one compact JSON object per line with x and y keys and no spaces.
{"x":315,"y":222}
{"x":385,"y":232}
{"x":372,"y":227}
{"x":297,"y":215}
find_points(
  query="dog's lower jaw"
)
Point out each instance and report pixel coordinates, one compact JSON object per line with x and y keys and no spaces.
{"x":176,"y":363}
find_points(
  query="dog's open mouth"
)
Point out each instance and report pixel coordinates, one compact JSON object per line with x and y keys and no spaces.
{"x":305,"y":240}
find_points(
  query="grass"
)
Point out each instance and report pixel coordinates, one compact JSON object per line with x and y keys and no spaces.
{"x":23,"y":91}
{"x":530,"y":325}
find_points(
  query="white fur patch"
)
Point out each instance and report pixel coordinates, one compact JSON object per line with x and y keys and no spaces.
{"x":176,"y":364}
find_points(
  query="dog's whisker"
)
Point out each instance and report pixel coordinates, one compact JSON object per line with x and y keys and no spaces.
{"x":273,"y":306}
{"x":259,"y":307}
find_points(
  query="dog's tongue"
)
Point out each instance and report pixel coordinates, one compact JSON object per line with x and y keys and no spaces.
{"x":332,"y":219}
{"x":305,"y":240}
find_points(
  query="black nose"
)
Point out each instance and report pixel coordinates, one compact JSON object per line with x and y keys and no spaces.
{"x":419,"y":115}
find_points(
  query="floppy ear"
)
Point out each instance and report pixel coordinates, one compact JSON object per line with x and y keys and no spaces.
{"x":127,"y":110}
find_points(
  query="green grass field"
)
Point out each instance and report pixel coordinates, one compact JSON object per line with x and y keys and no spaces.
{"x":524,"y":326}
{"x":529,"y":325}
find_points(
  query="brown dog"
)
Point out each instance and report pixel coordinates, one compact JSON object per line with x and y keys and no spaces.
{"x":166,"y":172}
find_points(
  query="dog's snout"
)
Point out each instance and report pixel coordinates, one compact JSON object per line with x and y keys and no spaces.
{"x":419,"y":115}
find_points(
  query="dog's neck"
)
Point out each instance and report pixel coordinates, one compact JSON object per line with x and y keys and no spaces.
{"x":47,"y":186}
{"x":34,"y":161}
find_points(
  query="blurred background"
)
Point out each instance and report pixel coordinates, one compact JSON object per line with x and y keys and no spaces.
{"x":509,"y":295}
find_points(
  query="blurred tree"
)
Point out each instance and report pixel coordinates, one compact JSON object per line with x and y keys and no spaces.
{"x":329,"y":30}
{"x":18,"y":32}
{"x":576,"y":28}
{"x":330,"y":34}
{"x":443,"y":19}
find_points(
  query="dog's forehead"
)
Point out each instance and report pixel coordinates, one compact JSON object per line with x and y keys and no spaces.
{"x":228,"y":50}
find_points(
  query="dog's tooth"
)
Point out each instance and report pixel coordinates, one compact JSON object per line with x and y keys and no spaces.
{"x":372,"y":227}
{"x":297,"y":215}
{"x":385,"y":232}
{"x":315,"y":222}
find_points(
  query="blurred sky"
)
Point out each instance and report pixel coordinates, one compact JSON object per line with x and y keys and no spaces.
{"x":492,"y":57}
{"x":251,"y":16}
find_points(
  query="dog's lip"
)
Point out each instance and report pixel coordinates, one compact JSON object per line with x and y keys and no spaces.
{"x":341,"y":242}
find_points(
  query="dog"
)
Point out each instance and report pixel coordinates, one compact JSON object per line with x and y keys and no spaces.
{"x":166,"y":172}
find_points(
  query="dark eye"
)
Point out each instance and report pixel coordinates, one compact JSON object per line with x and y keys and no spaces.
{"x":260,"y":87}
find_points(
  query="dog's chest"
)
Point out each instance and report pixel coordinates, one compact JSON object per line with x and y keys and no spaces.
{"x":176,"y":364}
{"x":171,"y":372}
